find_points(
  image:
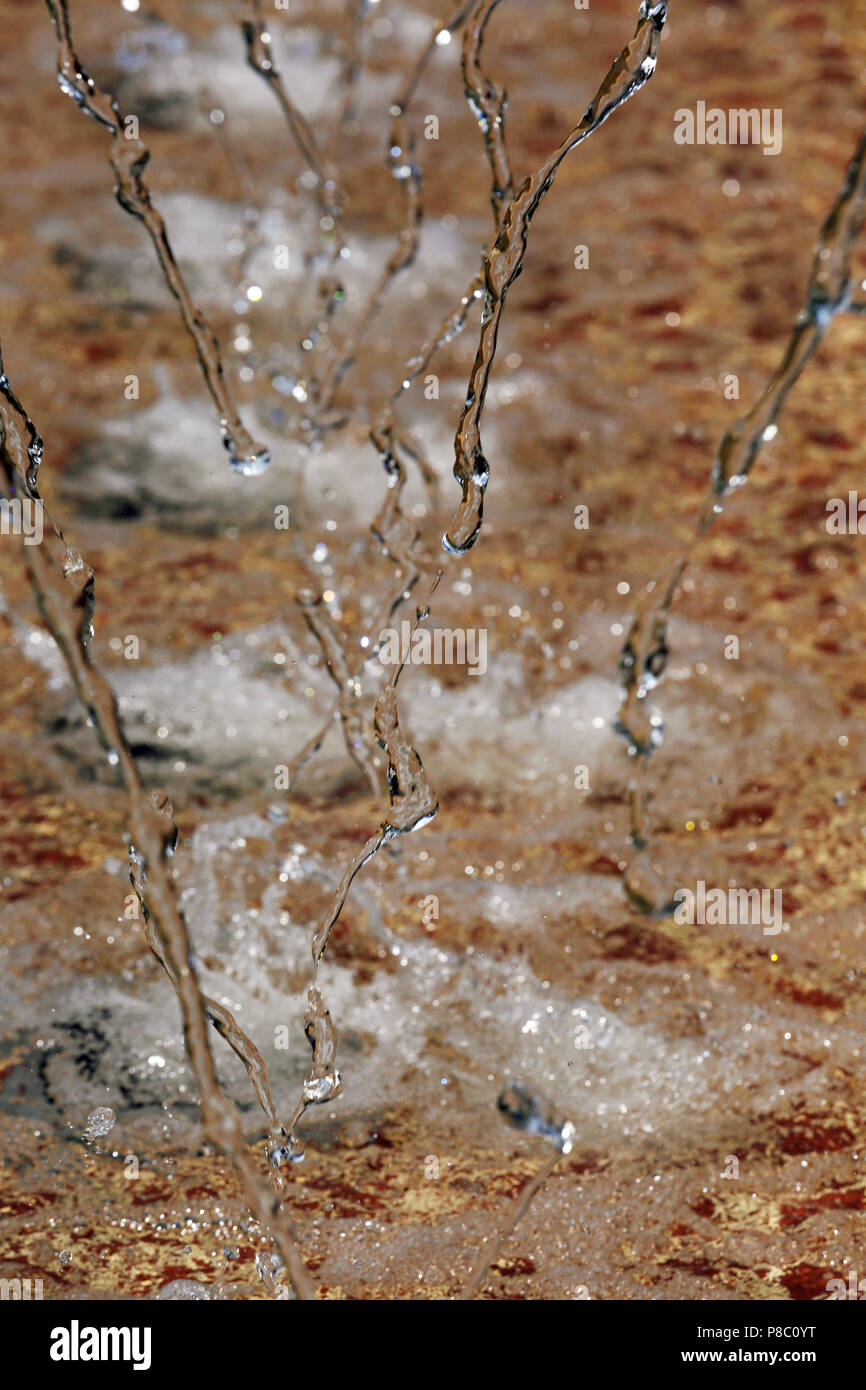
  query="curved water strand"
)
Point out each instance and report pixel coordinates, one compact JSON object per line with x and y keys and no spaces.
{"x":129,"y":158}
{"x":537,"y":1116}
{"x":64,"y":596}
{"x":645,"y":652}
{"x":412,"y":804}
{"x":405,"y":169}
{"x":631,"y":69}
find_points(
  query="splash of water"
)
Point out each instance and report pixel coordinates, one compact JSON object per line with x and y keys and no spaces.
{"x":325,"y":630}
{"x":488,"y":102}
{"x":64,"y":596}
{"x":630,"y":70}
{"x":405,"y":169}
{"x":261,"y":58}
{"x":644,"y":656}
{"x":398,"y":535}
{"x":412,"y":801}
{"x":535,"y":1116}
{"x":218,"y":1015}
{"x":129,"y":158}
{"x":412,"y":804}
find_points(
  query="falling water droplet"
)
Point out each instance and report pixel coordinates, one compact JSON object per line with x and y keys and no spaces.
{"x":99,"y":1122}
{"x":292,"y":1151}
{"x":250,"y":463}
{"x":536,"y":1116}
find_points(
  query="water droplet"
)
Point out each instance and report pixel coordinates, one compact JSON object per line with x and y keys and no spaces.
{"x":99,"y":1122}
{"x":251,"y":462}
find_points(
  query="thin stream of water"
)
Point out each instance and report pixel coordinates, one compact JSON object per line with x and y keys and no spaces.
{"x":63,"y":586}
{"x":645,"y":652}
{"x":260,"y":57}
{"x":380,"y":747}
{"x":413,"y":802}
{"x":129,"y":158}
{"x":630,"y":70}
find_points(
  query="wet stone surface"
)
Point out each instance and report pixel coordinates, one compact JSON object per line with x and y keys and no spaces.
{"x":713,"y":1073}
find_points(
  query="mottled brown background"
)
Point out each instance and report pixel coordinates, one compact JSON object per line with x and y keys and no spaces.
{"x":716,"y":1041}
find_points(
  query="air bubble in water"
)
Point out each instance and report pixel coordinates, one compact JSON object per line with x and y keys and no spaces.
{"x":189,"y":1289}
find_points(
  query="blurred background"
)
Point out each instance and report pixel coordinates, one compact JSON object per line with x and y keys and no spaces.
{"x":673,"y":1050}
